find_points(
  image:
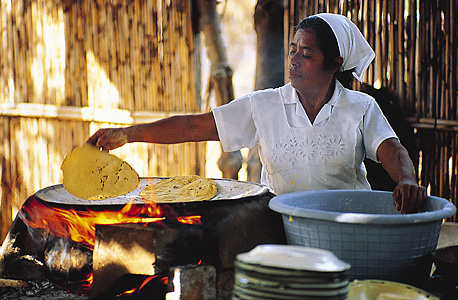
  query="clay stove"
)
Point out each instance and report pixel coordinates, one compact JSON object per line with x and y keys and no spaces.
{"x":176,"y":251}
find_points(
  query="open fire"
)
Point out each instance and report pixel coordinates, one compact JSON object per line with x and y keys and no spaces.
{"x":79,"y":226}
{"x":144,"y":246}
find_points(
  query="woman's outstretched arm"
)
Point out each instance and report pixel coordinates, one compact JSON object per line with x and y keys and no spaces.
{"x":176,"y":129}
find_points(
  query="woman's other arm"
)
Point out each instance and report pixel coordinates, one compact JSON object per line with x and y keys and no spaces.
{"x":408,"y":196}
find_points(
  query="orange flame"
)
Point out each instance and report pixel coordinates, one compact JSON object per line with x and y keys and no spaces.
{"x":189,"y":220}
{"x":87,"y":283}
{"x":164,"y":281}
{"x":79,"y":225}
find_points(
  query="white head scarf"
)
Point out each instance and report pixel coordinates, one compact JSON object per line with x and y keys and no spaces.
{"x":353,"y":47}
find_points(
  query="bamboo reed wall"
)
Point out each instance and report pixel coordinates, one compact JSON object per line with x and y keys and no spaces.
{"x":416,"y":45}
{"x":70,"y":67}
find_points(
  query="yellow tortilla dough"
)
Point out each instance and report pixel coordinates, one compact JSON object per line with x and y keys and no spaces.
{"x":181,"y":189}
{"x":92,"y":174}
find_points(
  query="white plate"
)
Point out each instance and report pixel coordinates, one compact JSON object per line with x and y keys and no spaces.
{"x":228,"y":189}
{"x":247,"y":293}
{"x":292,"y":275}
{"x":286,"y":291}
{"x":294,"y":257}
{"x":285,"y":283}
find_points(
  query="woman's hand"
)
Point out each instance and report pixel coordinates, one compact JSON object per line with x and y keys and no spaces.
{"x":109,"y":138}
{"x":408,"y":196}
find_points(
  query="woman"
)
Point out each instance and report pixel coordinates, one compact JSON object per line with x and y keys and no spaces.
{"x":313,"y":133}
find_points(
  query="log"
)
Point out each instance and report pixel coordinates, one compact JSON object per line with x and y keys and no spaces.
{"x":137,"y":249}
{"x":21,"y":253}
{"x":66,"y":261}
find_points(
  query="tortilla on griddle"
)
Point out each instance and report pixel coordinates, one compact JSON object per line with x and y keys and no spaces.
{"x":91,"y":174}
{"x":180,"y":189}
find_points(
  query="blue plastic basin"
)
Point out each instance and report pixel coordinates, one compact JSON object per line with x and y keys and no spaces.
{"x":364,"y":229}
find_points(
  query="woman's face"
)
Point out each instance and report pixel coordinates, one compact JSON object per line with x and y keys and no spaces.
{"x":306,"y":63}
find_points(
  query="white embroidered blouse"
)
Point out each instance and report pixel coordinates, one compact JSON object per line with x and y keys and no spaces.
{"x":297,"y":155}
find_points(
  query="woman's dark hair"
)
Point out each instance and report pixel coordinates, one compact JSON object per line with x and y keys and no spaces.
{"x":328,"y":45}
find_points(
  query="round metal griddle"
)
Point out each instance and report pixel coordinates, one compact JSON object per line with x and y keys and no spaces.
{"x":228,"y":189}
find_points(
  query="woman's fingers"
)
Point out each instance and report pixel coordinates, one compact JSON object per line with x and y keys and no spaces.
{"x":408,"y":198}
{"x":108,"y":138}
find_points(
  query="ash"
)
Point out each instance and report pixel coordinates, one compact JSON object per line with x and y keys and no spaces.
{"x":41,"y":290}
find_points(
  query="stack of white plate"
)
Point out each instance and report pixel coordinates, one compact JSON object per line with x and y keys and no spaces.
{"x":290,"y":272}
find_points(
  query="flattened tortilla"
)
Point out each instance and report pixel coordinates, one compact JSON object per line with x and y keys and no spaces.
{"x":91,"y":174}
{"x":180,"y":189}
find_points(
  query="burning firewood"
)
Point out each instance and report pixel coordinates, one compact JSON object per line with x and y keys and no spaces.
{"x":66,"y":261}
{"x":135,"y":249}
{"x":61,"y":242}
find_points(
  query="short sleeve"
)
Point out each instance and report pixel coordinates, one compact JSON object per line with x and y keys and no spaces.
{"x":376,"y":129}
{"x":235,"y":124}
